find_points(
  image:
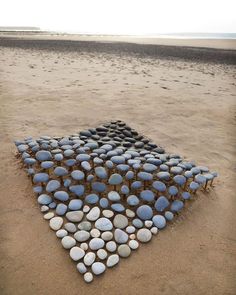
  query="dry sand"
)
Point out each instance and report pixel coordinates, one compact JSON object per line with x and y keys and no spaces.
{"x":187,"y":107}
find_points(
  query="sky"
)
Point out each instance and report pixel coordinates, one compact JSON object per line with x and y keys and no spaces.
{"x":122,"y":16}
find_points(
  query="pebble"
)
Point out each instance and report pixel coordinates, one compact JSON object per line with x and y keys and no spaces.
{"x":137,"y":223}
{"x":75,"y":204}
{"x":98,"y":268}
{"x":70,"y":227}
{"x":159,"y":221}
{"x":81,"y":267}
{"x":82,"y":235}
{"x":113,"y":260}
{"x":91,"y":198}
{"x":88,"y":277}
{"x":52,"y":186}
{"x":75,"y":216}
{"x":102,"y":254}
{"x":108,"y":213}
{"x":93,"y":214}
{"x":44,"y":199}
{"x":176,"y":206}
{"x":68,"y":242}
{"x":148,"y":223}
{"x":44,"y":208}
{"x":84,"y":246}
{"x":95,"y":233}
{"x":104,"y":203}
{"x":133,"y":244}
{"x":147,"y":195}
{"x":61,"y":233}
{"x":113,"y":196}
{"x":56,"y":223}
{"x":61,"y":196}
{"x":154,"y":230}
{"x":129,"y":213}
{"x":144,"y":212}
{"x":130,"y":229}
{"x":48,"y":216}
{"x":89,"y":258}
{"x":161,"y":204}
{"x":101,"y":172}
{"x":85,"y":225}
{"x":120,"y":221}
{"x":103,"y":224}
{"x":61,"y":209}
{"x":115,"y":179}
{"x":124,"y":250}
{"x":133,"y":200}
{"x":169,"y":215}
{"x":76,"y":253}
{"x":107,"y":235}
{"x":132,"y":236}
{"x":118,"y":207}
{"x":144,"y":235}
{"x":96,"y":243}
{"x":111,"y":246}
{"x":86,"y":209}
{"x":121,"y":237}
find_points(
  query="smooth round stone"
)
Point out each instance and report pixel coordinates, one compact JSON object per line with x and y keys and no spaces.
{"x":159,"y":221}
{"x":154,"y":230}
{"x":38,"y":189}
{"x":186,"y":195}
{"x":78,"y":190}
{"x":81,"y":267}
{"x":82,"y":235}
{"x":136,"y":185}
{"x":84,"y":246}
{"x":95,"y":233}
{"x":88,"y":277}
{"x":40,"y":177}
{"x":22,"y":148}
{"x":60,"y":171}
{"x":179,"y":179}
{"x":115,"y":179}
{"x":108,"y":213}
{"x":145,"y":176}
{"x":86,"y":166}
{"x":176,"y":170}
{"x":102,"y":254}
{"x":70,"y":227}
{"x":129,"y":213}
{"x":52,"y":186}
{"x":209,"y":176}
{"x":44,"y":199}
{"x":124,"y":251}
{"x":75,"y":204}
{"x":91,"y":199}
{"x":113,"y":260}
{"x":29,"y":161}
{"x":101,"y":172}
{"x":144,"y":235}
{"x":169,"y":215}
{"x":48,"y":215}
{"x":98,"y":268}
{"x":137,"y":223}
{"x":47,"y":164}
{"x":133,"y":200}
{"x":98,"y":187}
{"x":147,"y":195}
{"x":56,"y":223}
{"x":104,"y":203}
{"x":85,"y":225}
{"x":52,"y":205}
{"x":133,"y":244}
{"x":195,"y":170}
{"x":61,"y":196}
{"x":89,"y":258}
{"x":120,"y":221}
{"x":76,"y":253}
{"x":75,"y":216}
{"x":173,"y":191}
{"x":77,"y":175}
{"x":188,"y":174}
{"x":159,"y":186}
{"x":43,"y":156}
{"x":90,"y":178}
{"x":86,"y":209}
{"x":144,"y":212}
{"x":93,"y":214}
{"x":113,"y":196}
{"x":44,"y":208}
{"x":201,"y":179}
{"x":103,"y":224}
{"x":109,"y":164}
{"x":67,"y":182}
{"x":68,"y":153}
{"x":176,"y":206}
{"x":118,"y":207}
{"x":148,"y":223}
{"x":120,"y":236}
{"x":68,"y":242}
{"x":58,"y":157}
{"x":96,"y":243}
{"x":132,"y":237}
{"x":111,"y":246}
{"x":129,"y":175}
{"x":149,"y":167}
{"x":61,"y":209}
{"x":82,"y":157}
{"x":118,"y":159}
{"x":61,"y":233}
{"x":163,"y":175}
{"x":124,"y":189}
{"x":130,"y":229}
{"x":107,"y":235}
{"x":161,"y":204}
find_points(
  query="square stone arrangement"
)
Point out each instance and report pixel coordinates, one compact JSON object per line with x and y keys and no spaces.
{"x":105,"y":190}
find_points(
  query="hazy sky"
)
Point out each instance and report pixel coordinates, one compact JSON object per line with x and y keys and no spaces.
{"x":121,"y":16}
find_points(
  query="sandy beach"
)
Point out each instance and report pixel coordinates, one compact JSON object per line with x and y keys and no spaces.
{"x":182,"y":97}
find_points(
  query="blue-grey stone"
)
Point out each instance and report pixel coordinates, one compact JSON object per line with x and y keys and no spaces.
{"x":41,"y":177}
{"x":115,"y":179}
{"x":101,"y":172}
{"x":31,"y":171}
{"x":159,"y":221}
{"x":164,"y":167}
{"x":159,"y":186}
{"x":52,"y":205}
{"x":179,"y":179}
{"x":161,"y":203}
{"x":98,"y":187}
{"x":97,"y":160}
{"x":176,"y":170}
{"x":38,"y":189}
{"x":123,"y":167}
{"x":61,"y":209}
{"x":67,"y":182}
{"x":148,"y":167}
{"x":147,"y":195}
{"x":199,"y":178}
{"x":83,"y":157}
{"x":61,"y":196}
{"x":156,"y":162}
{"x":90,"y":178}
{"x":113,"y":196}
{"x":163,"y":175}
{"x":103,"y":224}
{"x":188,"y":174}
{"x":194,"y":186}
{"x":109,"y":164}
{"x":68,"y":153}
{"x":78,"y":189}
{"x":58,"y":157}
{"x":106,"y":147}
{"x":195,"y":170}
{"x":29,"y":161}
{"x":60,"y":171}
{"x":91,"y":199}
{"x":77,"y":175}
{"x":86,"y":166}
{"x":129,"y":175}
{"x":43,"y":156}
{"x":136,"y":185}
{"x":75,"y":204}
{"x":103,"y":203}
{"x":52,"y":186}
{"x":44,"y":199}
{"x":144,"y":212}
{"x":70,"y":162}
{"x":136,"y":167}
{"x":118,"y":207}
{"x":92,"y":145}
{"x":173,"y":191}
{"x":133,"y":200}
{"x":22,"y":148}
{"x":176,"y":206}
{"x":47,"y":164}
{"x":169,"y":215}
{"x":145,"y":176}
{"x":124,"y":189}
{"x":209,"y":176}
{"x":120,"y":236}
{"x":118,"y":159}
{"x":186,"y":195}
{"x":137,"y":223}
{"x":25,"y":155}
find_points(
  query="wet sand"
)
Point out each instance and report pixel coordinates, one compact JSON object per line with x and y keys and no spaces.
{"x":185,"y":105}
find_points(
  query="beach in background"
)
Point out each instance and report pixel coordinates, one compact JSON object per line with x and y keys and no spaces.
{"x":178,"y":92}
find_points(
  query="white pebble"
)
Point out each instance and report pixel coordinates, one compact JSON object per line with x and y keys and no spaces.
{"x":84,"y":246}
{"x":130,"y":229}
{"x":132,"y":236}
{"x":111,"y":246}
{"x":44,"y":208}
{"x":86,"y":209}
{"x":56,"y":223}
{"x":76,"y":253}
{"x":95,"y":233}
{"x":154,"y":230}
{"x":61,"y":233}
{"x":148,"y":223}
{"x":48,"y":215}
{"x":107,"y":235}
{"x":102,"y":254}
{"x":113,"y":260}
{"x":129,"y":213}
{"x":88,"y":277}
{"x":68,"y":242}
{"x":89,"y":258}
{"x":81,"y":267}
{"x":108,"y":213}
{"x":133,"y":244}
